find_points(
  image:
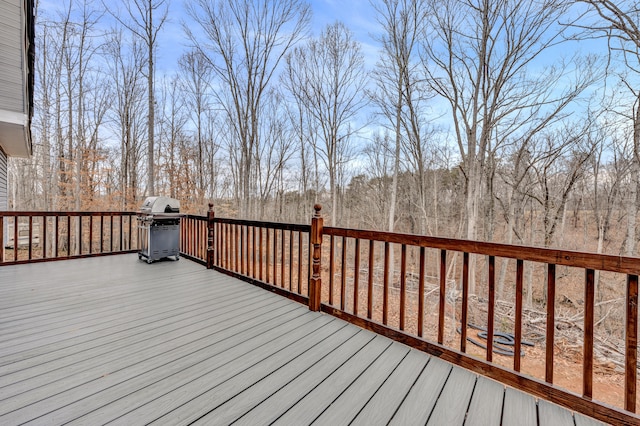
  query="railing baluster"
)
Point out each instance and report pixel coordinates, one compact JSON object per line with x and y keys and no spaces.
{"x":69,"y":234}
{"x":268,"y":259}
{"x":260,"y":256}
{"x":331,"y":268}
{"x":299,"y":262}
{"x":229,"y":255}
{"x":370,"y":281}
{"x":275,"y":256}
{"x":233,"y":261}
{"x":91,"y":234}
{"x":282,"y":258}
{"x":356,"y":276}
{"x":491,"y":307}
{"x":589,"y":307}
{"x":190,"y":236}
{"x":631,"y":344}
{"x":43,"y":238}
{"x":237,"y":248}
{"x":101,"y":234}
{"x":518,"y":323}
{"x":385,"y":285}
{"x":222,"y":236}
{"x":15,"y":238}
{"x":196,"y":237}
{"x":465,"y":302}
{"x":551,"y":319}
{"x":291,"y":260}
{"x":81,"y":232}
{"x":220,"y":244}
{"x":235,"y":230}
{"x":242,"y":250}
{"x":229,"y":236}
{"x":110,"y":233}
{"x":403,"y":284}
{"x":421,"y":293}
{"x":443,"y":295}
{"x":223,"y":245}
{"x":343,"y":274}
{"x":254,"y":253}
{"x":203,"y":233}
{"x":216,"y":242}
{"x":30,"y":237}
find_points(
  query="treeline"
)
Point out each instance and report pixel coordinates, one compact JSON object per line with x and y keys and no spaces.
{"x":490,"y":120}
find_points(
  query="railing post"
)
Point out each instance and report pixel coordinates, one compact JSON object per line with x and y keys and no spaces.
{"x":315,"y":284}
{"x":210,"y":237}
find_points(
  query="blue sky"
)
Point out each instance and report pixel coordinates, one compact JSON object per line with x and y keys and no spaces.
{"x":358,"y":16}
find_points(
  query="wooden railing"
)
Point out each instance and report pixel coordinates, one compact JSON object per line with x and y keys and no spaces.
{"x":351,"y":275}
{"x":193,"y":238}
{"x":28,"y":236}
{"x":416,"y":289}
{"x":275,"y":256}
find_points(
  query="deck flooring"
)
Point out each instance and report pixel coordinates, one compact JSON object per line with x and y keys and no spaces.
{"x":114,"y":340}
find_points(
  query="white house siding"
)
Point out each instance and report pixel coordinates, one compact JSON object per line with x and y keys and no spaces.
{"x":12,"y":61}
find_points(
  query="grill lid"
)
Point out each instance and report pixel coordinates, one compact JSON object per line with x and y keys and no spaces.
{"x":160,"y":205}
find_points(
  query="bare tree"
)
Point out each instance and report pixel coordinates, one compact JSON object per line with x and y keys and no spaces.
{"x":173,"y":120}
{"x":306,"y":135}
{"x":244,"y":42}
{"x":125,"y":59}
{"x":619,"y":23}
{"x":331,"y":80}
{"x":483,"y":74}
{"x":195,"y":69}
{"x":142,"y":14}
{"x":398,"y":90}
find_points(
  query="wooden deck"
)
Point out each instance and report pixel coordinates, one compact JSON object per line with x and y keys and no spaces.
{"x":114,"y":340}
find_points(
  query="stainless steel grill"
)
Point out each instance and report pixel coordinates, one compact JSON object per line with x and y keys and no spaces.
{"x":159,"y":229}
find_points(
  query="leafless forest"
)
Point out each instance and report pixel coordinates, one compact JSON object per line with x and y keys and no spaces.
{"x":494,"y":120}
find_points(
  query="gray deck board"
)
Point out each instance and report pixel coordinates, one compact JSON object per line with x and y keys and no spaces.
{"x":581,"y":420}
{"x":129,"y":357}
{"x":347,"y":406}
{"x":454,"y":400}
{"x":112,"y":339}
{"x":308,"y":408}
{"x":419,"y":402}
{"x":268,"y":410}
{"x":387,"y":399}
{"x":154,"y":378}
{"x":486,"y":403}
{"x":519,"y":408}
{"x":552,"y":414}
{"x":248,"y":397}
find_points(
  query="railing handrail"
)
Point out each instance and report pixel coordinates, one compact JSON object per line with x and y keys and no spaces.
{"x":297,"y":227}
{"x":578,"y":259}
{"x":37,"y":213}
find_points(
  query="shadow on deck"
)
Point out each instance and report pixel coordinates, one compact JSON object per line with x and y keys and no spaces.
{"x":112,"y":339}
